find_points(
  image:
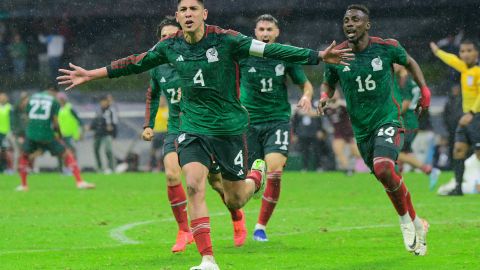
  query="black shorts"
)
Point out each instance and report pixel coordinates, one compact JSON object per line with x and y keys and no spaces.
{"x":384,"y":142}
{"x":229,"y":153}
{"x":266,"y":138}
{"x":409,"y":138}
{"x":470,"y":134}
{"x":170,"y":143}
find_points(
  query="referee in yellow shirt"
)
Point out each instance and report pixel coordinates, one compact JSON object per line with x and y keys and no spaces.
{"x":468,"y":130}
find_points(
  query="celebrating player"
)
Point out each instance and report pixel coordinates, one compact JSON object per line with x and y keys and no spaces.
{"x":410,"y":95}
{"x":165,"y":80}
{"x":376,"y":114}
{"x":264,"y":94}
{"x":213,"y":120}
{"x":42,"y":134}
{"x":467,"y":133}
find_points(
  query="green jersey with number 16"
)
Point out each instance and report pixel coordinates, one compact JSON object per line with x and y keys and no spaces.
{"x":41,"y":109}
{"x":209,"y":75}
{"x":369,"y":86}
{"x":263,"y":89}
{"x":164,"y":79}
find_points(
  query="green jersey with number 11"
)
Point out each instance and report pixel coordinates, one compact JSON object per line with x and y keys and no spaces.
{"x":264,"y":90}
{"x":209,"y":75}
{"x":41,"y":109}
{"x":369,"y":86}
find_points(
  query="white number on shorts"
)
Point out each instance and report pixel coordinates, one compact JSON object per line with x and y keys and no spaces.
{"x":390,"y":131}
{"x":279,"y":137}
{"x":199,"y":78}
{"x":239,"y":159}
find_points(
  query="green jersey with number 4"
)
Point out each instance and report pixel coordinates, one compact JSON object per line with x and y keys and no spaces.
{"x":209,"y":75}
{"x":411,"y":92}
{"x":263,"y":90}
{"x":41,"y":109}
{"x":164,"y":79}
{"x":369,"y":86}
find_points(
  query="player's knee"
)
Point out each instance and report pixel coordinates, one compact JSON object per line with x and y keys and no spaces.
{"x":383,"y":169}
{"x":173,"y":178}
{"x":233,"y":202}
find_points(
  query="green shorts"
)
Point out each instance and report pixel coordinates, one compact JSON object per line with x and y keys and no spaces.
{"x":229,"y":153}
{"x":169,"y":144}
{"x":266,"y":138}
{"x":69,"y":141}
{"x":409,"y":138}
{"x":384,"y":142}
{"x":55,"y":146}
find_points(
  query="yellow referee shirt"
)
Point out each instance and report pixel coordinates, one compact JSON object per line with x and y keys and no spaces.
{"x":470,"y":80}
{"x":161,"y":120}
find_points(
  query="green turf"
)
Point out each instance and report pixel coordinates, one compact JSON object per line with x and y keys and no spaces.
{"x":324,"y":221}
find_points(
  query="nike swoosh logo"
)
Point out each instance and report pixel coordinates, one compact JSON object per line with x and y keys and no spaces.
{"x":412,"y":246}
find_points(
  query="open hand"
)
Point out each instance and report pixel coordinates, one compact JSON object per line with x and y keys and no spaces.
{"x":333,"y":56}
{"x":74,"y":77}
{"x":305,"y":104}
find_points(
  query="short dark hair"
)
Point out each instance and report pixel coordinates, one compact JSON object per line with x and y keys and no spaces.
{"x":52,"y":87}
{"x":168,"y":20}
{"x":199,"y":1}
{"x":362,"y":8}
{"x":470,"y":42}
{"x":268,"y":18}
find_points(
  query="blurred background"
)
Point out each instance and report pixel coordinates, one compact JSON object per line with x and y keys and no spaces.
{"x":37,"y":37}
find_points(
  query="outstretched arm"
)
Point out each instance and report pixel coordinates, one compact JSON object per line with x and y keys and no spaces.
{"x":448,"y":58}
{"x":133,"y":64}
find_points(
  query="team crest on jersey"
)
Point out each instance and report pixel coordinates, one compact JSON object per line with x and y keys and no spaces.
{"x":377,"y":64}
{"x":470,"y":80}
{"x":280,"y":70}
{"x":212,"y":55}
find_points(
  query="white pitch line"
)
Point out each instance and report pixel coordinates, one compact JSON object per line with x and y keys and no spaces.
{"x":338,"y":229}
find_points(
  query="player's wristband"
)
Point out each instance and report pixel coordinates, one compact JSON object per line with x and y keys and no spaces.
{"x":324,"y":95}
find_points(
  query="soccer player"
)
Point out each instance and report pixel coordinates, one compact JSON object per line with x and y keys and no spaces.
{"x":43,"y":134}
{"x":6,"y":153}
{"x":213,"y":120}
{"x":263,"y":92}
{"x":410,"y":93}
{"x":372,"y":103}
{"x":342,"y":133}
{"x":164,"y":79}
{"x":467,"y":133}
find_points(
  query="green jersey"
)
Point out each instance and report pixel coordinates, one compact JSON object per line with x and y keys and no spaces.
{"x":263,"y":90}
{"x":368,"y":84}
{"x":164,"y":79}
{"x":41,"y":110}
{"x":209,"y":75}
{"x":410,"y":92}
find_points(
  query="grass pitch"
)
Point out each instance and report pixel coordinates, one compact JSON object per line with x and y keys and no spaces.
{"x":323,"y":221}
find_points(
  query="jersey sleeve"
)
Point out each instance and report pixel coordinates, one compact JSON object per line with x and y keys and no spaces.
{"x":297,"y":74}
{"x":452,"y":60}
{"x":152,"y":101}
{"x":330,"y":76}
{"x":139,"y":63}
{"x":397,"y":52}
{"x":246,"y":46}
{"x":55,"y":108}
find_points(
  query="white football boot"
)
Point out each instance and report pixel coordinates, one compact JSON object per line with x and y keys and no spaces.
{"x":409,"y":236}
{"x":421,"y":250}
{"x":208,"y":263}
